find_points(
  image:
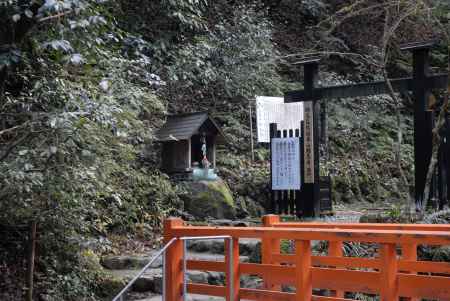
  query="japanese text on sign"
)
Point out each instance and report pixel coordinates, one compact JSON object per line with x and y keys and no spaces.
{"x":285,"y":164}
{"x":269,"y":110}
{"x":308,"y":142}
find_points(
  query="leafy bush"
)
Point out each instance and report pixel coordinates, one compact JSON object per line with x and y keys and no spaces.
{"x":76,"y":150}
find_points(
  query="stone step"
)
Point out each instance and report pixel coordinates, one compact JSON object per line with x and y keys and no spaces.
{"x":151,"y":280}
{"x":191,"y":297}
{"x":128,"y":262}
{"x":135,"y":262}
{"x":246,"y":246}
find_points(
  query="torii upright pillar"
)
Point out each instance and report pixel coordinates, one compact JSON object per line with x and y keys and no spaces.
{"x":423,"y":119}
{"x":310,"y":192}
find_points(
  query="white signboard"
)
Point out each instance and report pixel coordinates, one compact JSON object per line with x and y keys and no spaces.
{"x":285,"y":164}
{"x":273,"y":110}
{"x":268,"y":110}
{"x":308,"y":136}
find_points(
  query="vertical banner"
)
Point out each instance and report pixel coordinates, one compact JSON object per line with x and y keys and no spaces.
{"x":285,"y":164}
{"x":308,"y":141}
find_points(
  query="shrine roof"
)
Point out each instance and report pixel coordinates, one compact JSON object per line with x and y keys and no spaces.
{"x":184,"y":126}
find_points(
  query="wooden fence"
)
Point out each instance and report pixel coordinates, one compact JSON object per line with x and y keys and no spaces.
{"x":392,"y":272}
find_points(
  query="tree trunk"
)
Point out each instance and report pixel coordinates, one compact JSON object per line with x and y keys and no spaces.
{"x":3,"y":75}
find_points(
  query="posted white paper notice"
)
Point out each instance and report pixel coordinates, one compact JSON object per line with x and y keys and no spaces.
{"x":273,"y":110}
{"x":285,"y":164}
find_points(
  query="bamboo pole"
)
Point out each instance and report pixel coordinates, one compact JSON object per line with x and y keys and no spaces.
{"x":251,"y":130}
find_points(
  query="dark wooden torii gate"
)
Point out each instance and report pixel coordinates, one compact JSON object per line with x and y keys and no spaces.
{"x":421,"y":84}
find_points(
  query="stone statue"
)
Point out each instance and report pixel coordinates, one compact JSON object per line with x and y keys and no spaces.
{"x":205,"y":162}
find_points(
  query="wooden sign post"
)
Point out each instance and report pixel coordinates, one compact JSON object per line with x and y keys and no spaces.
{"x":310,"y":193}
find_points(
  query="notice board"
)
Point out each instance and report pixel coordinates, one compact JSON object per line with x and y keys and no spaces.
{"x":285,"y":163}
{"x":287,"y":116}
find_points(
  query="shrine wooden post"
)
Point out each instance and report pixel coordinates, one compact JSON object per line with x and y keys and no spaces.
{"x":422,"y":126}
{"x":310,"y":193}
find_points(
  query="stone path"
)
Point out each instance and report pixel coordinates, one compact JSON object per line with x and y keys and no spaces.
{"x":149,"y":286}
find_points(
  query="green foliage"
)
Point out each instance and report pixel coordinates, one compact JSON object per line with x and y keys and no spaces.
{"x":395,"y":213}
{"x":286,"y":246}
{"x":77,"y":153}
{"x":234,"y":58}
{"x":249,"y":182}
{"x":363,"y":142}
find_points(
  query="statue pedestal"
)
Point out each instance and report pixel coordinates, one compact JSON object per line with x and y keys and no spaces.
{"x":204,"y":174}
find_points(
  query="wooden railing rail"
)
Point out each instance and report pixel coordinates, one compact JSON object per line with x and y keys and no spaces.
{"x":409,"y":251}
{"x":385,"y":274}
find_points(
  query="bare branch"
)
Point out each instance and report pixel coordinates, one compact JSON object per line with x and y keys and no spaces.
{"x":57,"y":16}
{"x":14,"y":145}
{"x":13,"y":128}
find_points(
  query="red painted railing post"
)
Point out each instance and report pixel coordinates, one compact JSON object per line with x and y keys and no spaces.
{"x":269,"y":247}
{"x":232,"y":269}
{"x":409,"y":252}
{"x":173,"y":262}
{"x":335,"y":250}
{"x":303,"y":277}
{"x":388,"y":273}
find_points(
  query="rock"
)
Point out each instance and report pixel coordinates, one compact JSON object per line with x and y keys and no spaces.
{"x":189,"y":298}
{"x":100,"y":245}
{"x":216,"y":278}
{"x":442,"y":254}
{"x":209,"y":199}
{"x":203,"y":298}
{"x":148,"y":282}
{"x":439,"y":217}
{"x":153,"y":298}
{"x":208,"y":245}
{"x":241,"y":224}
{"x":151,"y":280}
{"x":221,"y":222}
{"x":157,"y":284}
{"x":251,"y":282}
{"x":213,"y":257}
{"x":198,"y":277}
{"x":249,"y":207}
{"x":144,"y":284}
{"x":371,"y":218}
{"x":288,"y":289}
{"x":246,"y":246}
{"x":228,"y":223}
{"x":109,"y":286}
{"x":255,"y":256}
{"x":122,"y":262}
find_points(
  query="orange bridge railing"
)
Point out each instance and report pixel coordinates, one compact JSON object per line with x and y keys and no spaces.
{"x":393,"y":271}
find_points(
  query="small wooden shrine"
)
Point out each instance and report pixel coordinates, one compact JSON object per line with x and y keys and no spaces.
{"x":186,"y":139}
